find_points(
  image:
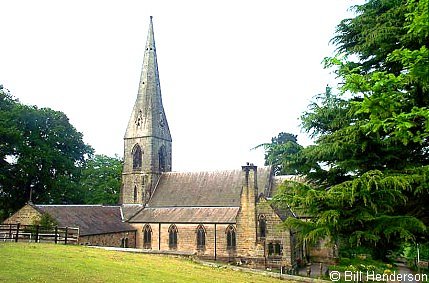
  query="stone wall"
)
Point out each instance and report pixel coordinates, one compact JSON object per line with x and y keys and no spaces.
{"x":275,"y":234}
{"x":119,"y":239}
{"x":27,"y":215}
{"x":146,"y":177}
{"x":148,"y":128}
{"x":251,"y":249}
{"x":246,"y":218}
{"x":323,"y":252}
{"x":187,"y":239}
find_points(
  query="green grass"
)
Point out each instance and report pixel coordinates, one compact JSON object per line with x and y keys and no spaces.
{"x":23,"y":262}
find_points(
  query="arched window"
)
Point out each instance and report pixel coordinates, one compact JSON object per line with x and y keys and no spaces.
{"x":262,"y":226}
{"x":201,"y":237}
{"x":172,"y":237}
{"x":147,"y":237}
{"x":230,"y":238}
{"x":124,"y":242}
{"x":137,"y":157}
{"x":161,"y":159}
{"x":135,"y":194}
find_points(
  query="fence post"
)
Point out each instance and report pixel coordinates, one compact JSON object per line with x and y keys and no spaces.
{"x":65,"y":239}
{"x":37,"y":234}
{"x":17,"y":232}
{"x":10,"y":231}
{"x":78,"y":234}
{"x":56,"y":234}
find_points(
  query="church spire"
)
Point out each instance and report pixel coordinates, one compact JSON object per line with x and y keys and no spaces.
{"x":150,"y":42}
{"x":147,"y":141}
{"x":148,"y":116}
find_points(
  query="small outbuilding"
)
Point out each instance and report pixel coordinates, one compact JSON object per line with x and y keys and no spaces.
{"x":99,"y":225}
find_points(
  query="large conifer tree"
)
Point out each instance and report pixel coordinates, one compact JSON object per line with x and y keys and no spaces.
{"x":368,"y":170}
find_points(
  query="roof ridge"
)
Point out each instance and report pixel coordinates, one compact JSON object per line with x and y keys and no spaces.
{"x":203,"y":189}
{"x":212,"y":170}
{"x":157,"y":207}
{"x":198,"y":172}
{"x":75,"y":205}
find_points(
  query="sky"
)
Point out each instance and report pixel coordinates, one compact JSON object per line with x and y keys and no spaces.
{"x":233,"y":73}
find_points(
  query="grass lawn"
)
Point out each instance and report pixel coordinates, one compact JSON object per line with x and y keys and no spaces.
{"x":22,"y":262}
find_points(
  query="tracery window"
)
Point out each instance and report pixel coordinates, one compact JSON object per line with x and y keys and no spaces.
{"x":262,"y":226}
{"x":230,"y":238}
{"x":201,"y":237}
{"x":137,"y":157}
{"x":147,"y":237}
{"x":172,"y":237}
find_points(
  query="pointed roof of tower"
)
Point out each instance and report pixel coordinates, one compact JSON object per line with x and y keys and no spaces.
{"x":150,"y":42}
{"x":148,"y":115}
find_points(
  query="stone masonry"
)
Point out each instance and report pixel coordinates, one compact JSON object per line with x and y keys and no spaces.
{"x":246,"y":218}
{"x":147,"y":130}
{"x":27,"y":215}
{"x":187,"y":239}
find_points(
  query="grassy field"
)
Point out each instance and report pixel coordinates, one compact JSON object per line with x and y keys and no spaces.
{"x":22,"y":262}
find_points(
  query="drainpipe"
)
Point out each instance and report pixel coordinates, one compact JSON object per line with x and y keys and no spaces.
{"x":159,"y":236}
{"x":215,"y":236}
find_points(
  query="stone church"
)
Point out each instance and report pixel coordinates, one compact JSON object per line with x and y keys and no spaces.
{"x":220,"y":215}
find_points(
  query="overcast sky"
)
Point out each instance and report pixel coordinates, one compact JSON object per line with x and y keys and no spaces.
{"x":233,"y":73}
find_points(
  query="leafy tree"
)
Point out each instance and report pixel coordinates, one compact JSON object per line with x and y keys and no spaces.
{"x":9,"y":136}
{"x":411,"y":254}
{"x":101,"y":180}
{"x":281,"y":153}
{"x":41,"y":155}
{"x":369,"y":167}
{"x":46,"y":221}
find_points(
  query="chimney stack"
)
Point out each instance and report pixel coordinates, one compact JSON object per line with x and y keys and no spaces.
{"x":250,"y":176}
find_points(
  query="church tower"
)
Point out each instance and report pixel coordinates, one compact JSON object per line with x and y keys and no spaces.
{"x":147,"y":141}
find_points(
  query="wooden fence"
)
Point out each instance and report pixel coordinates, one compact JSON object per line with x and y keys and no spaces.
{"x":38,"y":234}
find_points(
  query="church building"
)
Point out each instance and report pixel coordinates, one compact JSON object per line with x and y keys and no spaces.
{"x":218,"y":215}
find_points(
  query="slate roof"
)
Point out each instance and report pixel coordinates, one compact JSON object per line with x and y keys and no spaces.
{"x":91,"y":219}
{"x":129,"y":210}
{"x":265,"y":179}
{"x":187,"y":215}
{"x":200,"y":189}
{"x":282,"y":211}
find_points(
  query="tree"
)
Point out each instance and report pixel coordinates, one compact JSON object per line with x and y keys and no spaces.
{"x":369,"y":167}
{"x":46,"y":221}
{"x":281,"y":153}
{"x":9,"y":136}
{"x":101,"y":180}
{"x":41,"y":155}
